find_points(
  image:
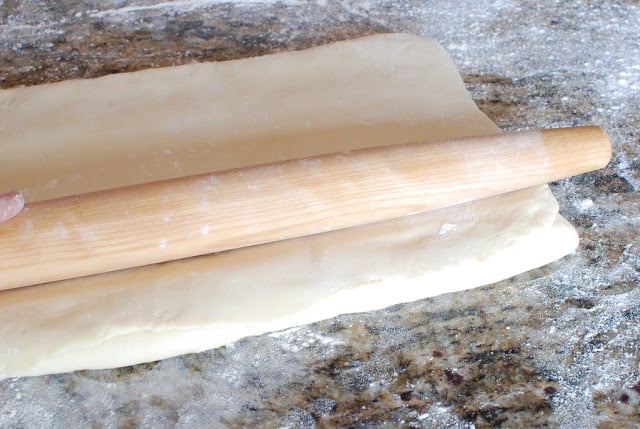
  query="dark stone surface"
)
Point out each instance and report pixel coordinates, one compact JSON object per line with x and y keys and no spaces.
{"x":555,"y":347}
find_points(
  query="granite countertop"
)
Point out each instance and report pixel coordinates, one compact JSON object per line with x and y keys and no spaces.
{"x":558,"y":346}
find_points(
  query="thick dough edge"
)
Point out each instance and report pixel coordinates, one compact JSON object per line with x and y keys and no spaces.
{"x":370,"y":91}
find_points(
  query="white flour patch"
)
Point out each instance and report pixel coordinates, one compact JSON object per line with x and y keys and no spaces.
{"x":301,"y":338}
{"x":208,"y":183}
{"x":285,"y":333}
{"x":28,"y":227}
{"x":585,"y":204}
{"x":311,"y":163}
{"x":185,"y":6}
{"x":60,"y":230}
{"x":446,"y":227}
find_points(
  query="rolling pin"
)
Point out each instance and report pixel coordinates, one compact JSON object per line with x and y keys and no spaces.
{"x":173,"y":219}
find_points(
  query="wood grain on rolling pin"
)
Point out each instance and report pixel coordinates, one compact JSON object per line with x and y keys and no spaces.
{"x":161,"y":221}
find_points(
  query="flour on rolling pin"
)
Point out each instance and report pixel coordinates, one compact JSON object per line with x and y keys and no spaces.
{"x":193,"y":119}
{"x":88,"y":234}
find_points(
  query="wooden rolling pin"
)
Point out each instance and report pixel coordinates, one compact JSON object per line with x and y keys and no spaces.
{"x":173,"y":219}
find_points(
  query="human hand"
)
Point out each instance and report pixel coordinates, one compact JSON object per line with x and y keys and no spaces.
{"x":11,"y":203}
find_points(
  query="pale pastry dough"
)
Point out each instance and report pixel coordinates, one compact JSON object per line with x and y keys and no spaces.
{"x":79,"y":136}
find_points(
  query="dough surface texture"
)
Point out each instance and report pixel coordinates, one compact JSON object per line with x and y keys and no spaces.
{"x":80,"y":136}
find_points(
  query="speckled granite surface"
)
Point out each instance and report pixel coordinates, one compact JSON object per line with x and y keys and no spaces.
{"x":556,"y":347}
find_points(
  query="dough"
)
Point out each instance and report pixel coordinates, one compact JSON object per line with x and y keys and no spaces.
{"x":79,"y":136}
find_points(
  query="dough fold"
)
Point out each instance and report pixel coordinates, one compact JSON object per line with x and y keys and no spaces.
{"x":80,"y":136}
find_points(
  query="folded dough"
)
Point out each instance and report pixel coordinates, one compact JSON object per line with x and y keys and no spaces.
{"x":85,"y":135}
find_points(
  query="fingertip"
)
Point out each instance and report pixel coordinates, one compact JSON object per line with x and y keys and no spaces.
{"x":19,"y":200}
{"x":11,"y":203}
